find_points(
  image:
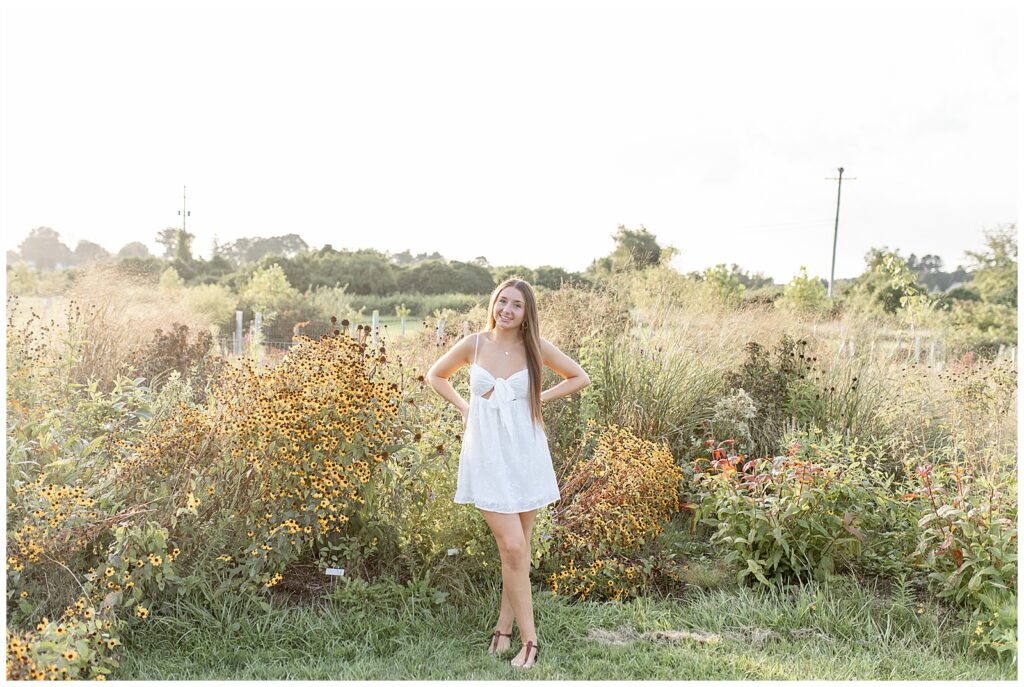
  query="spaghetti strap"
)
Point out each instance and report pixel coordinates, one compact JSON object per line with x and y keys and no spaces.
{"x":477,"y":347}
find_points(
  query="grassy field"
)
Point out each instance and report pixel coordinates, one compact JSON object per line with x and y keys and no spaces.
{"x":838,"y":630}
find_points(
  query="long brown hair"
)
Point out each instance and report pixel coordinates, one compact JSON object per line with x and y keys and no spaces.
{"x":530,"y":330}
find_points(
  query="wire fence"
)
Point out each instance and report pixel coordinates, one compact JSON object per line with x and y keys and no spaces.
{"x":907,"y":346}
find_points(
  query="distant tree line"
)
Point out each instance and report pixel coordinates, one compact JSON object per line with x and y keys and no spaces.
{"x":364,"y":272}
{"x":369,"y":272}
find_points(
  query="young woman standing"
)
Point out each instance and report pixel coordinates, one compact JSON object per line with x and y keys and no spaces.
{"x":505,"y":466}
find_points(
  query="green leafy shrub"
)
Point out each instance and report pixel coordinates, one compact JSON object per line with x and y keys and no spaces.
{"x":435,"y":535}
{"x":968,"y":546}
{"x":215,"y":302}
{"x":796,"y":516}
{"x":804,"y":295}
{"x":981,"y":326}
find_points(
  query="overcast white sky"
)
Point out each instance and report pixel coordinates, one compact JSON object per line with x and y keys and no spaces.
{"x":522,"y":133}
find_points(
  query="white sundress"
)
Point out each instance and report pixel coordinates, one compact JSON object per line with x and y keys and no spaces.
{"x":505,"y":464}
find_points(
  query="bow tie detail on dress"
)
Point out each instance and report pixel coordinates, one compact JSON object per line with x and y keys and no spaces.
{"x":500,"y":401}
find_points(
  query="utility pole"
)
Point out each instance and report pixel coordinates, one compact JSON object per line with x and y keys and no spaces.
{"x":183,"y":212}
{"x":835,"y":235}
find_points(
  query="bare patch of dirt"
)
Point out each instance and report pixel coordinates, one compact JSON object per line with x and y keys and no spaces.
{"x":680,"y":636}
{"x":627,"y":635}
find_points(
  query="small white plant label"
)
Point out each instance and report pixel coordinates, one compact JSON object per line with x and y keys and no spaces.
{"x":334,"y":571}
{"x":452,"y":552}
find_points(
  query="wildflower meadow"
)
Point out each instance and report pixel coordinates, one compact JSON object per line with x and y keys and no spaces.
{"x":750,"y":489}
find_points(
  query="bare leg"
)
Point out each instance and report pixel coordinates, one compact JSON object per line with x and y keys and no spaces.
{"x":514,"y":548}
{"x":506,"y":617}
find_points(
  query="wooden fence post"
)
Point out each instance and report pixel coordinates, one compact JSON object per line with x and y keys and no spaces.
{"x":238,"y":332}
{"x":374,"y":328}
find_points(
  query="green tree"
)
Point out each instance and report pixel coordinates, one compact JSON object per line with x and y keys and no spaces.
{"x":471,"y":278}
{"x":635,"y":249}
{"x":253,"y":249}
{"x":44,"y":250}
{"x":804,"y":294}
{"x":406,"y":258}
{"x":430,"y":277}
{"x":213,"y":270}
{"x":269,"y":292}
{"x":365,"y":271}
{"x":183,"y":246}
{"x":170,"y":281}
{"x":503,"y":272}
{"x":725,"y":282}
{"x":87,"y":251}
{"x":888,"y":285}
{"x":995,"y":268}
{"x":135,"y":249}
{"x":168,"y":238}
{"x":552,"y":277}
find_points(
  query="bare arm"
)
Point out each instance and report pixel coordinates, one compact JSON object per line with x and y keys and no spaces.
{"x":438,"y":374}
{"x":575,"y":376}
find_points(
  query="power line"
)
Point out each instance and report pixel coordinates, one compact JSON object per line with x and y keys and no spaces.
{"x":779,"y":225}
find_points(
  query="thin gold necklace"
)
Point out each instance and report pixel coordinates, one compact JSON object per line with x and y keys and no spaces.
{"x":506,"y":352}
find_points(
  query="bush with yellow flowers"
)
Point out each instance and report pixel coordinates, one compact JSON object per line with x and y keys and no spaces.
{"x":269,"y":468}
{"x":307,"y":436}
{"x":82,"y":643}
{"x":616,"y":500}
{"x":63,"y":496}
{"x":274,"y":465}
{"x":82,"y":639}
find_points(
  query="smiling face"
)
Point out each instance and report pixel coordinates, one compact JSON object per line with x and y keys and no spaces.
{"x":509,"y":309}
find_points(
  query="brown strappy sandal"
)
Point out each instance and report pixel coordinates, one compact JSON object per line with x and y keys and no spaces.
{"x":536,"y":655}
{"x":494,"y":640}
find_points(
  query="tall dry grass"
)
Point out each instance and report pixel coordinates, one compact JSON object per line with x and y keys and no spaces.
{"x":108,"y":316}
{"x":916,"y":408}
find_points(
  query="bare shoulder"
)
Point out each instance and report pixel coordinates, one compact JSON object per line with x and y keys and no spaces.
{"x":468,"y":344}
{"x":547,"y":348}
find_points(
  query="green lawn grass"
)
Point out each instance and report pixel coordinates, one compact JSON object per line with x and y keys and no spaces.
{"x":831,"y":631}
